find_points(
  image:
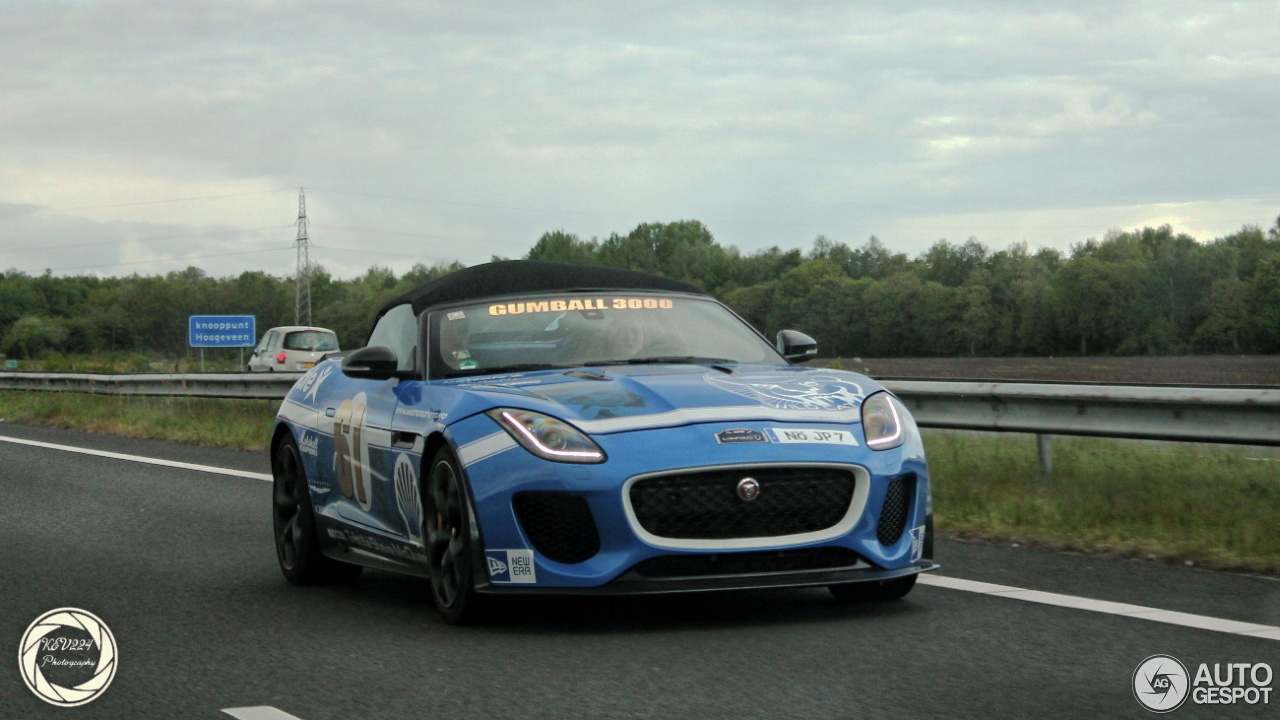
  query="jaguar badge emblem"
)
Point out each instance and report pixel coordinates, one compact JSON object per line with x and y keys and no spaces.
{"x":748,"y":489}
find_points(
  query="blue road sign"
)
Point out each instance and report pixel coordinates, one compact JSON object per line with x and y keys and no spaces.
{"x":221,"y":330}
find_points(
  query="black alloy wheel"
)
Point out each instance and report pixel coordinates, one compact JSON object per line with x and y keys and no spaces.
{"x":297,"y":547}
{"x":447,"y":528}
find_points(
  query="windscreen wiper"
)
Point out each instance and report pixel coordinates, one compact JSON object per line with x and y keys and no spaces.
{"x":502,"y":369}
{"x":665,"y":359}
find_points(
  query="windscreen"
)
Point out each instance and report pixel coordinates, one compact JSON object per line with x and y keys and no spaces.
{"x":548,"y":331}
{"x":311,"y":341}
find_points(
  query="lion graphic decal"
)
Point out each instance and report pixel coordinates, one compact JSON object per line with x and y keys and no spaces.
{"x":786,"y":391}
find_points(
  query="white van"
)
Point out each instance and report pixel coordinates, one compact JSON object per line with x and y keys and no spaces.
{"x":292,"y":348}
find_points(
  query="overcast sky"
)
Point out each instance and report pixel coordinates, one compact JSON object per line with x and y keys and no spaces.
{"x":148,"y":135}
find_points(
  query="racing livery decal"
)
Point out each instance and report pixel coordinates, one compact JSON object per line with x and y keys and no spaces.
{"x":917,"y":543}
{"x":359,"y":540}
{"x":351,"y":451}
{"x":786,"y":391}
{"x":569,"y":305}
{"x":309,"y":443}
{"x":310,"y":384}
{"x":733,"y":436}
{"x":407,"y":499}
{"x":511,"y":566}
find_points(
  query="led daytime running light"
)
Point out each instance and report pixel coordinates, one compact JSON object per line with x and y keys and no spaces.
{"x":889,"y":440}
{"x":530,"y":439}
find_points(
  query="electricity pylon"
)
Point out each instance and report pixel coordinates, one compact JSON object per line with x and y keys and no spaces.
{"x":302,"y":280}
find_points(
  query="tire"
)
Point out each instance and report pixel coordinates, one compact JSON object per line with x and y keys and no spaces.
{"x":446,"y":520}
{"x":293,"y":520}
{"x":881,"y":591}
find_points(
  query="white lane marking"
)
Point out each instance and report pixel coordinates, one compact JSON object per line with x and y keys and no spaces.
{"x":260,"y":712}
{"x":140,"y":459}
{"x":1140,"y":612}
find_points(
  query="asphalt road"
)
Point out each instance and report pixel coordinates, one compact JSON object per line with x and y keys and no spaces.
{"x":179,"y":564}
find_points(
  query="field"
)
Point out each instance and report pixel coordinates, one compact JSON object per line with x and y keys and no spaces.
{"x":1173,"y":502}
{"x":1183,"y":370}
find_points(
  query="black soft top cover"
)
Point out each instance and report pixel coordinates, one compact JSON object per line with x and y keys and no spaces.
{"x":509,"y":277}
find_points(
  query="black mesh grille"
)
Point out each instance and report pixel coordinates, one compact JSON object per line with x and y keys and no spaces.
{"x":706,"y":505}
{"x":710,"y":565}
{"x":893,"y":516}
{"x":560,"y":526}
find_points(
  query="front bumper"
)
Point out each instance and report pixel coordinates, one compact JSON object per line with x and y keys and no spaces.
{"x":621,"y":551}
{"x":631,"y":583}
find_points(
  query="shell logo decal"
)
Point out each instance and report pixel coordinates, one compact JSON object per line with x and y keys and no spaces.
{"x":407,"y":499}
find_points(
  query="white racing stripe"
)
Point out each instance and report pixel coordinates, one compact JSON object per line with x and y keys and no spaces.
{"x":1140,"y":612}
{"x":260,"y":712}
{"x":730,"y":413}
{"x":140,"y":459}
{"x":486,"y":447}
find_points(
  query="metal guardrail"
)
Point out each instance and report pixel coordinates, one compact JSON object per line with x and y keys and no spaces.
{"x":1199,"y":414}
{"x":271,"y":386}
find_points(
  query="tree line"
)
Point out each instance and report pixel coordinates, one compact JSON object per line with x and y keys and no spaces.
{"x":87,"y":314}
{"x":1142,"y":292}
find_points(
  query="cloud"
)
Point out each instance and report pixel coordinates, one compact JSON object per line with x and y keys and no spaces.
{"x":771,"y":122}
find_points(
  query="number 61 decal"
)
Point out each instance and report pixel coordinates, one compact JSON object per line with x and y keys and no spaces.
{"x":351,"y":452}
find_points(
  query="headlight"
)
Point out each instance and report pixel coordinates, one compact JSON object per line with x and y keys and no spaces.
{"x":548,"y":437}
{"x":881,"y":422}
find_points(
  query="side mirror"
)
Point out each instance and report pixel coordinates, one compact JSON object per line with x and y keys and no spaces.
{"x":796,"y":347}
{"x":371,"y":363}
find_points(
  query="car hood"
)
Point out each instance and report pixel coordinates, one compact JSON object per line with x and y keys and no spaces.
{"x":624,"y":398}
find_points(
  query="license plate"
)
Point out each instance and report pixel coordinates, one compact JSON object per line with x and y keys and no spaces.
{"x":810,"y":435}
{"x":308,"y":365}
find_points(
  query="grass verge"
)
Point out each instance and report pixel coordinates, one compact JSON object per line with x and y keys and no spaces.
{"x":234,"y":424}
{"x":1172,"y":502}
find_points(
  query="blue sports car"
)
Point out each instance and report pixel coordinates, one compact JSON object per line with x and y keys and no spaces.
{"x":535,"y":427}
